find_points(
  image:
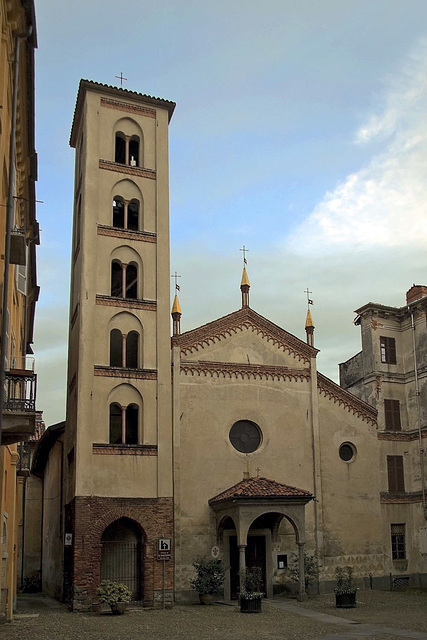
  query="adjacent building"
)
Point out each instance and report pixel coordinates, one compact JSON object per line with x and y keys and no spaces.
{"x":390,"y":373}
{"x":19,"y":235}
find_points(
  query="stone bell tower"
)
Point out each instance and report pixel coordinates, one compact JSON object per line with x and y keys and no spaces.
{"x":118,"y":439}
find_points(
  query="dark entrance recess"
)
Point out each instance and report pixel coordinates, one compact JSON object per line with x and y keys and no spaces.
{"x":121,"y":556}
{"x":255,"y":557}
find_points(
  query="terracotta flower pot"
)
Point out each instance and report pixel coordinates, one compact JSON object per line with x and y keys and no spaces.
{"x":205,"y":598}
{"x":119,"y":608}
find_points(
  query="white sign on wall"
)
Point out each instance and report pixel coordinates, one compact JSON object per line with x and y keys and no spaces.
{"x":215,"y":552}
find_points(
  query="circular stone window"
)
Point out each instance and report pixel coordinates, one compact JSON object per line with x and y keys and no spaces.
{"x":245,"y":436}
{"x":347,"y":451}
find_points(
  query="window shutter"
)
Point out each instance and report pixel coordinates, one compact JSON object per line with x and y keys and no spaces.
{"x":392,"y":415}
{"x":396,"y":481}
{"x":21,"y":278}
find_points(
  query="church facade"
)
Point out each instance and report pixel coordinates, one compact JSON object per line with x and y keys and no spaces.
{"x":223,"y":441}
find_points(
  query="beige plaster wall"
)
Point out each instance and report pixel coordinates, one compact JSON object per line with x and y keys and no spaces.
{"x":52,"y":534}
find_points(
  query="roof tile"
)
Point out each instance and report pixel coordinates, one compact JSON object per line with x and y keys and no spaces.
{"x":260,"y":488}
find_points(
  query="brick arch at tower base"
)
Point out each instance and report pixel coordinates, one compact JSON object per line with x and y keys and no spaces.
{"x":86,"y":518}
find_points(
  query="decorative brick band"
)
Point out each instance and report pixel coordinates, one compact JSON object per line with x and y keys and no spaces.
{"x":114,"y":232}
{"x":124,"y":168}
{"x":361,"y":409}
{"x":124,"y":449}
{"x":245,"y":319}
{"x":129,"y":108}
{"x":402,"y":436}
{"x":238,"y":370}
{"x":402,"y":498}
{"x":118,"y":372}
{"x":126,"y":303}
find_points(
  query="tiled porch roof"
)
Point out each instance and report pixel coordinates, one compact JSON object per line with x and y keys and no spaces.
{"x":261,"y":488}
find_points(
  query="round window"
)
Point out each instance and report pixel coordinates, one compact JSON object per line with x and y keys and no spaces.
{"x":245,"y":436}
{"x":347,"y":451}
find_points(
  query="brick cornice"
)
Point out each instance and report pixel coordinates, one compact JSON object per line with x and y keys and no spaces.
{"x":402,"y":436}
{"x":129,"y":108}
{"x":114,"y":232}
{"x":241,"y":370}
{"x":331,"y":390}
{"x":125,"y":168}
{"x":126,"y":303}
{"x":243,"y":319}
{"x":124,"y":449}
{"x":401,"y":498}
{"x":119,"y":372}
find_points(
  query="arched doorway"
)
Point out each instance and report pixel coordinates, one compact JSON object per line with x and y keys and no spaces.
{"x":121,"y":555}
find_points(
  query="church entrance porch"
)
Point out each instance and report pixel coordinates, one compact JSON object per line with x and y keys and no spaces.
{"x":241,"y":511}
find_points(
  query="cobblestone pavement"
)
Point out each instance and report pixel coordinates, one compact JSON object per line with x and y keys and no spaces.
{"x":378,"y":616}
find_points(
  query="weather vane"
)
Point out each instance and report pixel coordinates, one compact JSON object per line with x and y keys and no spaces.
{"x":245,"y":251}
{"x":121,"y":78}
{"x":176,"y":276}
{"x":309,"y":300}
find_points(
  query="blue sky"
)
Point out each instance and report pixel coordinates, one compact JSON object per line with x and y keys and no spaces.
{"x":300,"y":131}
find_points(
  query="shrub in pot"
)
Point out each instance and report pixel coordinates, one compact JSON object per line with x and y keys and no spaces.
{"x":210,"y":575}
{"x":251,"y":597}
{"x":345,"y":592}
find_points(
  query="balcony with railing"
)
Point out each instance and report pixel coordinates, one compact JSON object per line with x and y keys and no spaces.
{"x":19,"y":403}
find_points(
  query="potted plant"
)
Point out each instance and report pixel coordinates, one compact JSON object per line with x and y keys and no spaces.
{"x":210,"y":575}
{"x":116,"y":594}
{"x":251,"y":597}
{"x":345,"y":592}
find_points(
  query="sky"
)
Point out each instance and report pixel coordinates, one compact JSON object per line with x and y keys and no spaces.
{"x":300,"y":131}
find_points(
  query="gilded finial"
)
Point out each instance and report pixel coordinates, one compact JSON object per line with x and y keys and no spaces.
{"x":245,"y":279}
{"x":176,"y":306}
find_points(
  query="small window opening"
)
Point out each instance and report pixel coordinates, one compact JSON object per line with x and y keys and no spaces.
{"x":134,"y":151}
{"x":132,"y":424}
{"x":120,"y":155}
{"x":133,"y":215}
{"x":118,"y":213}
{"x":131,"y":281}
{"x":115,"y":423}
{"x":116,"y":279}
{"x":132,"y":340}
{"x":116,"y":348}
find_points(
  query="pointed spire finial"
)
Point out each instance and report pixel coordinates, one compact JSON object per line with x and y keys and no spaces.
{"x":176,"y":308}
{"x":245,"y":284}
{"x":309,"y":326}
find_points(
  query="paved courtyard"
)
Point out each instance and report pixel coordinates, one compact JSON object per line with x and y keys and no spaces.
{"x":379,"y":615}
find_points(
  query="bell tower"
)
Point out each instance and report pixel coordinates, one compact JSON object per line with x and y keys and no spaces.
{"x":118,"y":439}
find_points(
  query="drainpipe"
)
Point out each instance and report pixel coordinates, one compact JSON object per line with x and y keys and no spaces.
{"x":420,"y":436}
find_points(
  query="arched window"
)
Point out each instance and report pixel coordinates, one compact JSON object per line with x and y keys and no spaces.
{"x":124,"y":424}
{"x":127,"y":273}
{"x":120,"y":152}
{"x":132,"y":424}
{"x":116,"y":279}
{"x":134,"y":151}
{"x":132,"y":343}
{"x":125,"y":214}
{"x":118,"y":213}
{"x":133,"y":215}
{"x":116,"y":348}
{"x":131,"y":281}
{"x":115,"y":423}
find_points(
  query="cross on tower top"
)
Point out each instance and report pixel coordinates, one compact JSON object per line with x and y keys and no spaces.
{"x":121,"y":78}
{"x":245,"y":251}
{"x":176,"y":276}
{"x":309,"y":300}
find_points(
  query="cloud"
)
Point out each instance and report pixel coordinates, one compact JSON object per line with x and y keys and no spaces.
{"x":383,"y":204}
